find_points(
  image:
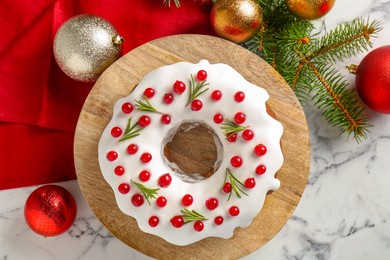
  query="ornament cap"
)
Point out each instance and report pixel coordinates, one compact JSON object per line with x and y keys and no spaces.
{"x":118,"y":40}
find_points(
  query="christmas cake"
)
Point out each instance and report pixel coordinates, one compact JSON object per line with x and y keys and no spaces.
{"x":145,"y":155}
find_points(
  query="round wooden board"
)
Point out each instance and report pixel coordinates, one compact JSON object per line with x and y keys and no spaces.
{"x":119,"y":80}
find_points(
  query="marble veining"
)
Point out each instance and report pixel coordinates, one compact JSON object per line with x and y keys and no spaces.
{"x":344,"y":212}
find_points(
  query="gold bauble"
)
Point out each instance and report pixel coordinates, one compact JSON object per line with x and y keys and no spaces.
{"x":85,"y":45}
{"x":309,"y":9}
{"x":236,"y":20}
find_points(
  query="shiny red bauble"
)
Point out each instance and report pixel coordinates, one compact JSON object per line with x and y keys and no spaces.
{"x":373,"y":80}
{"x":50,"y":210}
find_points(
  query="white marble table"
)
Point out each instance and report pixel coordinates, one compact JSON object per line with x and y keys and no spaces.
{"x":344,"y":212}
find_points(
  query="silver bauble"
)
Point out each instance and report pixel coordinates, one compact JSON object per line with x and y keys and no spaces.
{"x":85,"y":45}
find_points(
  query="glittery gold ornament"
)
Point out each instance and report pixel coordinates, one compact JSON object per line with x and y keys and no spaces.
{"x":85,"y":45}
{"x":236,"y":20}
{"x":309,"y":9}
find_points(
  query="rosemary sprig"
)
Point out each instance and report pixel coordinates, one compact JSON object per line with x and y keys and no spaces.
{"x":148,"y":193}
{"x":191,"y":215}
{"x":131,"y":131}
{"x":146,"y":106}
{"x":237,"y":185}
{"x":230,"y":128}
{"x":196,"y":90}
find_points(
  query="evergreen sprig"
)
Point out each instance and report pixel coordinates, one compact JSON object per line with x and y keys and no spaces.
{"x":305,"y":59}
{"x":230,"y":128}
{"x":237,"y":185}
{"x":196,"y":89}
{"x":191,"y":215}
{"x":148,"y":193}
{"x":131,"y":131}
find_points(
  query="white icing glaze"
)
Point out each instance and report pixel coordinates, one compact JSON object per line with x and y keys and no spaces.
{"x":267,"y":131}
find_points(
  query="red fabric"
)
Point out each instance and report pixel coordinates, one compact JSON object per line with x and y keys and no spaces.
{"x":39,"y":104}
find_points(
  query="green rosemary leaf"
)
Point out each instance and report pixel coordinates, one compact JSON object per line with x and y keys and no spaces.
{"x":191,"y":215}
{"x":131,"y":131}
{"x":146,"y":106}
{"x":148,"y":193}
{"x":196,"y":89}
{"x":237,"y":185}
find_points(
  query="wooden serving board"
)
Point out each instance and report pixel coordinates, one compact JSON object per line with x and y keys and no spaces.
{"x":119,"y":80}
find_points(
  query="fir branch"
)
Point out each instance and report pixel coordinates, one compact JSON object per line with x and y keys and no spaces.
{"x":131,"y":131}
{"x":339,"y":104}
{"x":230,"y":128}
{"x":148,"y":193}
{"x":146,"y":106}
{"x":196,"y":90}
{"x":346,"y":40}
{"x":237,"y":185}
{"x":191,"y":215}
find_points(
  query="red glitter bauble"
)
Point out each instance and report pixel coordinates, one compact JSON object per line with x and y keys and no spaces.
{"x":50,"y":210}
{"x":373,"y":80}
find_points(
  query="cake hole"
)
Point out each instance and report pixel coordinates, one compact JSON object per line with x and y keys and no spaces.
{"x":193,"y":151}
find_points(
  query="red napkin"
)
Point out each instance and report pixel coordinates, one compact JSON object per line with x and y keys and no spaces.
{"x":39,"y":104}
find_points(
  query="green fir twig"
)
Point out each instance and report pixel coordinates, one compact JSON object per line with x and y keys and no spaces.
{"x":131,"y":131}
{"x":230,"y":128}
{"x":305,"y":59}
{"x":148,"y":193}
{"x":191,"y":215}
{"x":196,"y":90}
{"x":237,"y":185}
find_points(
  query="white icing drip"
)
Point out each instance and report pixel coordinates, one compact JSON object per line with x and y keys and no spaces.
{"x":267,"y":131}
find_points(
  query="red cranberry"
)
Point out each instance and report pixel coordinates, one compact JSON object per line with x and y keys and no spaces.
{"x":196,"y":105}
{"x":201,"y":75}
{"x":227,"y":187}
{"x":239,"y":118}
{"x":168,"y":98}
{"x":166,"y":119}
{"x":127,"y":108}
{"x":116,"y":131}
{"x":177,"y":221}
{"x":144,"y":121}
{"x":218,"y":220}
{"x":239,"y":96}
{"x":187,"y":200}
{"x":218,"y":118}
{"x":248,"y":134}
{"x":212,"y":203}
{"x":250,"y":183}
{"x":124,"y":188}
{"x":179,"y":87}
{"x":234,"y":211}
{"x":236,"y":161}
{"x":112,"y":155}
{"x":146,"y":157}
{"x":165,"y":180}
{"x":149,"y":92}
{"x":216,"y":95}
{"x":261,"y":169}
{"x":119,"y":170}
{"x":232,"y":138}
{"x":161,"y":202}
{"x":198,"y":225}
{"x":132,"y":149}
{"x":260,"y":150}
{"x":153,"y":221}
{"x":144,"y":175}
{"x":137,"y":200}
